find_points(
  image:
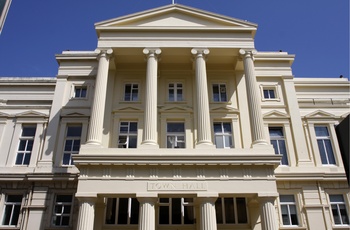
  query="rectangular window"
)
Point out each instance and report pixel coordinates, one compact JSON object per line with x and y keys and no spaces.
{"x":131,"y":92}
{"x":12,"y":209}
{"x":71,"y":143}
{"x":62,"y":210}
{"x":127,"y":135}
{"x":231,"y":210}
{"x":80,"y":91}
{"x":223,"y":134}
{"x":25,"y":147}
{"x":278,"y":141}
{"x":219,"y":93}
{"x":177,"y":211}
{"x":324,"y":145}
{"x":289,"y":210}
{"x":269,"y":94}
{"x":175,"y":92}
{"x":176,"y":135}
{"x":122,"y":211}
{"x":339,"y":212}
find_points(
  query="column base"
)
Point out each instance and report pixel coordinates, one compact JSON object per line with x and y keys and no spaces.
{"x":148,"y":145}
{"x":205,"y":145}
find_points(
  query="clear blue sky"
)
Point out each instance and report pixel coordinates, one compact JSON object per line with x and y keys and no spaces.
{"x":316,"y":31}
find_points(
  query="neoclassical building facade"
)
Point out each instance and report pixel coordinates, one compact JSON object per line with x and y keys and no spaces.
{"x":175,"y":121}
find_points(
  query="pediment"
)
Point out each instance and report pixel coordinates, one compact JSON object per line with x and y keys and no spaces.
{"x":128,"y":109}
{"x":175,"y":15}
{"x":275,"y":115}
{"x":74,"y":114}
{"x":345,"y":115}
{"x":3,"y":114}
{"x":31,"y":113}
{"x":175,"y":108}
{"x":223,"y":108}
{"x":320,"y":114}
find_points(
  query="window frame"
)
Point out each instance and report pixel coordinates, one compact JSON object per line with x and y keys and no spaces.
{"x":175,"y":88}
{"x":220,"y":100}
{"x":285,"y":158}
{"x":26,"y":139}
{"x":55,"y":214}
{"x":331,"y":203}
{"x":324,"y":139}
{"x":130,"y":211}
{"x":73,"y":139}
{"x":176,"y":135}
{"x":5,"y":203}
{"x":183,"y":204}
{"x":234,"y":209}
{"x":270,"y":87}
{"x":223,"y":134}
{"x":128,"y":134}
{"x":288,"y":204}
{"x":132,"y":84}
{"x":81,"y":88}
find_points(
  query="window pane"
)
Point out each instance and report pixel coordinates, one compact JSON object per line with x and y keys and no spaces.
{"x":276,"y":132}
{"x":26,"y":159}
{"x":133,"y":127}
{"x":111,"y":210}
{"x":285,"y":215}
{"x":229,"y":211}
{"x":321,"y":131}
{"x":227,"y":127}
{"x":164,"y":215}
{"x":218,"y":209}
{"x":335,"y":214}
{"x":22,"y":145}
{"x":19,"y":158}
{"x":344,"y":214}
{"x":28,"y":131}
{"x":15,"y":214}
{"x":287,"y":198}
{"x":64,"y":198}
{"x":134,"y":219}
{"x":242,"y":211}
{"x":29,"y":145}
{"x":65,"y":220}
{"x":189,"y":215}
{"x":293,"y":214}
{"x":176,"y":127}
{"x":329,"y":150}
{"x":66,"y":159}
{"x":219,"y":141}
{"x":336,"y":198}
{"x":171,"y":95}
{"x":132,"y":142}
{"x":123,"y":211}
{"x":74,"y":131}
{"x":176,"y":211}
{"x":68,"y":145}
{"x":228,"y":141}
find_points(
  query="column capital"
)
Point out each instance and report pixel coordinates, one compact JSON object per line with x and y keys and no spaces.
{"x":152,"y":51}
{"x":104,"y":52}
{"x":248,"y":52}
{"x":200,"y":51}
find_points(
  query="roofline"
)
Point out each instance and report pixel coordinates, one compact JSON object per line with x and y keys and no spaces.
{"x":28,"y":79}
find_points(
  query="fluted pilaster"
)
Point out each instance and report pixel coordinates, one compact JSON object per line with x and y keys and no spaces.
{"x":268,"y":214}
{"x":150,"y":122}
{"x":86,"y":216}
{"x":147,"y":213}
{"x":202,"y":96}
{"x":256,"y":118}
{"x":98,"y":104}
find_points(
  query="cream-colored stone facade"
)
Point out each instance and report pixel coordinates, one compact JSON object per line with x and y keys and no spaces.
{"x":175,"y":121}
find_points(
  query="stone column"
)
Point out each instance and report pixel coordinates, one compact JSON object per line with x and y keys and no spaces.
{"x":147,"y":217}
{"x":150,"y":120}
{"x":86,"y":216}
{"x":256,"y":118}
{"x":268,"y":214}
{"x":207,"y":213}
{"x":98,"y":104}
{"x":203,"y":114}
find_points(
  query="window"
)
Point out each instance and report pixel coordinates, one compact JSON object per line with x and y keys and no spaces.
{"x":80,"y":91}
{"x":289,"y":210}
{"x":176,"y":211}
{"x":219,"y":93}
{"x":71,"y":144}
{"x":175,"y":92}
{"x":278,"y":141}
{"x":25,"y":147}
{"x":12,"y":209}
{"x":231,"y":210}
{"x":122,"y":211}
{"x":269,"y":94}
{"x":223,"y":134}
{"x":62,"y":210}
{"x":127,"y":135}
{"x":340,"y":215}
{"x":131,"y":92}
{"x":175,"y":135}
{"x":324,"y":145}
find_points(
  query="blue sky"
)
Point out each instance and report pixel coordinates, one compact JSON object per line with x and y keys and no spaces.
{"x":316,"y":31}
